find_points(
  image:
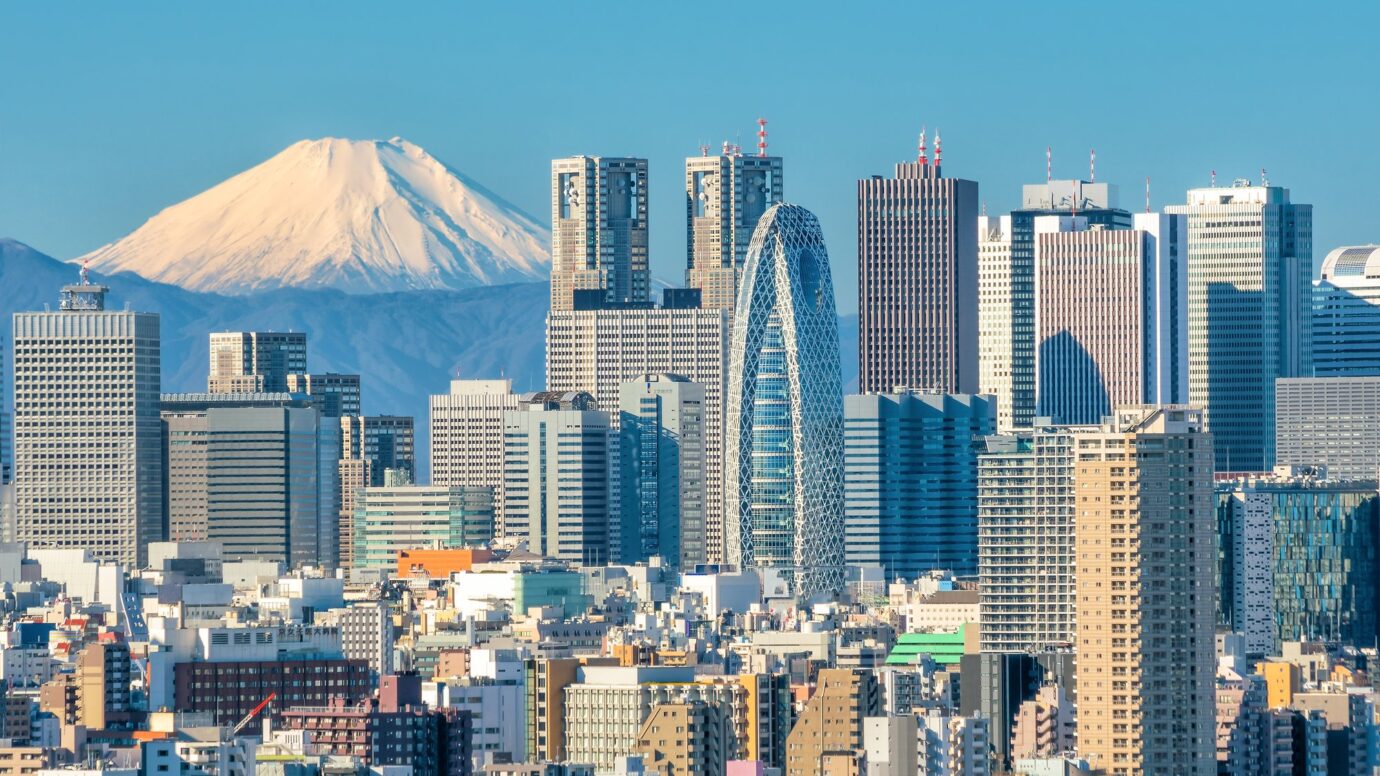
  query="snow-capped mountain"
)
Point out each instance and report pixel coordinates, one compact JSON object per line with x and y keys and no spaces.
{"x":360,"y":216}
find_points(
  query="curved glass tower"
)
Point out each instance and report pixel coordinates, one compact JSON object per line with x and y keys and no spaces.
{"x":784,"y":442}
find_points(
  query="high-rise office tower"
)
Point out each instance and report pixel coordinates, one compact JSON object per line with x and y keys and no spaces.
{"x":598,"y":350}
{"x":254,"y":473}
{"x":1006,"y":300}
{"x":598,"y":230}
{"x":661,"y":429}
{"x":996,"y":305}
{"x":910,"y":480}
{"x":1111,"y":316}
{"x":725,"y":195}
{"x":1026,"y":563}
{"x":339,"y":394}
{"x":1250,"y":260}
{"x":917,"y":280}
{"x":466,"y":432}
{"x":88,"y":446}
{"x":783,"y":451}
{"x":371,"y":446}
{"x":255,"y":361}
{"x":560,"y":494}
{"x":1298,"y":558}
{"x":1147,"y":555}
{"x":1332,"y":422}
{"x":1346,"y":314}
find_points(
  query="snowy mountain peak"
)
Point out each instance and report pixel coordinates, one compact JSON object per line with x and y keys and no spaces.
{"x":361,"y":216}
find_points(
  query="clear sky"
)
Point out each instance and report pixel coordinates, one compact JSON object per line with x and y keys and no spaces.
{"x":111,"y":111}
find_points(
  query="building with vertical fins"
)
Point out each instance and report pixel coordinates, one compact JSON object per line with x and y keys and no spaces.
{"x":1111,"y":316}
{"x":255,"y":361}
{"x":918,"y":280}
{"x":1006,"y":298}
{"x":598,"y":230}
{"x":1146,"y":610}
{"x":1250,"y":262}
{"x":88,"y":443}
{"x":725,"y":195}
{"x":661,"y":428}
{"x":783,"y":448}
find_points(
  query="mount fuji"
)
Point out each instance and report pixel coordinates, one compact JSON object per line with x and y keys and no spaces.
{"x":358,"y":216}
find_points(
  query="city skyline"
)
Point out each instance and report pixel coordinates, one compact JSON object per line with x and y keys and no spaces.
{"x":85,"y":136}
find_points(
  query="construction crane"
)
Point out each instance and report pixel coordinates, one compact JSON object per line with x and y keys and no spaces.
{"x":253,"y":713}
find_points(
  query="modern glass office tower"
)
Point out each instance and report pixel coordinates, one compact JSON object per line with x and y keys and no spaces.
{"x":1250,"y":262}
{"x":1346,"y":314}
{"x":910,"y":480}
{"x":255,"y":361}
{"x":88,"y":445}
{"x":1006,"y":296}
{"x":917,"y":281}
{"x":598,"y":230}
{"x":662,"y":442}
{"x":1298,"y":558}
{"x":725,"y":195}
{"x":784,"y":446}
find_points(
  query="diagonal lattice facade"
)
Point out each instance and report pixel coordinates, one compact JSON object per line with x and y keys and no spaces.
{"x":783,"y":449}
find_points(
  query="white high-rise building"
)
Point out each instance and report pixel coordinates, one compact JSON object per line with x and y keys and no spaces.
{"x":560,"y":469}
{"x":466,"y":429}
{"x":1250,"y":263}
{"x":88,"y":442}
{"x":596,"y":351}
{"x":725,"y":195}
{"x":995,"y":315}
{"x":1346,"y":313}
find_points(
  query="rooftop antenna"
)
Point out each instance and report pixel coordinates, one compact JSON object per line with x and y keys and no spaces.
{"x":1214,"y":179}
{"x":1049,"y":164}
{"x":1147,"y":193}
{"x":761,"y":137}
{"x":85,"y":272}
{"x":1092,"y":165}
{"x":984,"y":207}
{"x":704,"y":149}
{"x":737,"y":144}
{"x":1264,"y":181}
{"x":936,"y":147}
{"x":728,"y":149}
{"x":922,"y":158}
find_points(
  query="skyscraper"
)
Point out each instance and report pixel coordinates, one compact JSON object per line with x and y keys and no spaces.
{"x":88,"y":445}
{"x":917,"y":280}
{"x":560,"y":494}
{"x":339,"y":394}
{"x":598,"y":350}
{"x":255,"y":361}
{"x":725,"y":195}
{"x":661,"y":429}
{"x":1146,"y":549}
{"x":466,"y":433}
{"x":1007,"y":296}
{"x":1250,"y":259}
{"x":910,"y":480}
{"x":1110,"y":316}
{"x":783,"y":488}
{"x":371,"y":446}
{"x":598,"y":230}
{"x":1346,"y":314}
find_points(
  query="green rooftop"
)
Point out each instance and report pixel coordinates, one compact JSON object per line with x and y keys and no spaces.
{"x":945,"y":648}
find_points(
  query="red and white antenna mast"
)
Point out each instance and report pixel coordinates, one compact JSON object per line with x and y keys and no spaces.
{"x":1092,"y":165}
{"x":1049,"y":164}
{"x":922,"y":158}
{"x":937,"y":150}
{"x":761,"y":137}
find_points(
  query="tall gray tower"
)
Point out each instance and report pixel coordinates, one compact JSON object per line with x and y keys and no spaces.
{"x":725,"y":195}
{"x":87,"y":436}
{"x":598,"y":231}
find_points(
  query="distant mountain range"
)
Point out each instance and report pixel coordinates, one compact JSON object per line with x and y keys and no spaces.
{"x":360,"y":216}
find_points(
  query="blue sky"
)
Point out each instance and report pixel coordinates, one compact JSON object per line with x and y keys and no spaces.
{"x":114,"y":111}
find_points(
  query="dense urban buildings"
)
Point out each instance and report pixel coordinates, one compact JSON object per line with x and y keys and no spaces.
{"x":1346,"y":313}
{"x":661,"y":441}
{"x":1144,"y":508}
{"x":598,"y":230}
{"x":783,"y":452}
{"x":1111,"y":316}
{"x":910,"y":480}
{"x":725,"y":195}
{"x":255,"y":361}
{"x":918,"y":280}
{"x":1250,"y":259}
{"x":88,"y":447}
{"x":1006,"y":296}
